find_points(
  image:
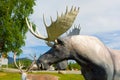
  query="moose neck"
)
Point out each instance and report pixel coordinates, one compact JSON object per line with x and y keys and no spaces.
{"x":89,"y":69}
{"x":24,"y":76}
{"x":88,"y":51}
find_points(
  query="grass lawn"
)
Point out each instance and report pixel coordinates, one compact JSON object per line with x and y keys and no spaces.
{"x":9,"y":76}
{"x":16,"y":76}
{"x":66,"y":76}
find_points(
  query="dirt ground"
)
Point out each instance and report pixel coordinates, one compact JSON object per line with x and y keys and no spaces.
{"x":42,"y":77}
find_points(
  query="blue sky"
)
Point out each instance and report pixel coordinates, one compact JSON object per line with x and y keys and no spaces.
{"x":100,"y":18}
{"x":110,"y":39}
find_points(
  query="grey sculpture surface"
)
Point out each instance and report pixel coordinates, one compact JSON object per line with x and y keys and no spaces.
{"x":97,"y":61}
{"x":63,"y":64}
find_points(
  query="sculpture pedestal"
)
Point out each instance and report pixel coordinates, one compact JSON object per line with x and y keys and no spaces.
{"x":42,"y":77}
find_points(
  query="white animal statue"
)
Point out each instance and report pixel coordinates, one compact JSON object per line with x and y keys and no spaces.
{"x":26,"y":76}
{"x":97,"y":61}
{"x":23,"y":73}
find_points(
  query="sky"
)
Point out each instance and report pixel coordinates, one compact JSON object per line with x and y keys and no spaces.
{"x":96,"y":17}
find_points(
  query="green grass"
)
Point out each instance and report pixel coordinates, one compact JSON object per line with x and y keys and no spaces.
{"x":65,"y":76}
{"x":9,"y":76}
{"x":16,"y":76}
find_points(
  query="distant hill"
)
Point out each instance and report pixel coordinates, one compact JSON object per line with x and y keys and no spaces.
{"x":11,"y":60}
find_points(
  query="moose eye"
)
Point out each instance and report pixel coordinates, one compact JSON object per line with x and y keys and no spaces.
{"x":55,"y":46}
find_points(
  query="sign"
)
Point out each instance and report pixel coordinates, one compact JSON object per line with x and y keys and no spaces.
{"x":3,"y":61}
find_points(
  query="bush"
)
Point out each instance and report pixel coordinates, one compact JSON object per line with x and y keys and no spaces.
{"x":73,"y":65}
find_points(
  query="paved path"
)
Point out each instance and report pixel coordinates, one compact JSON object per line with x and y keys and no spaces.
{"x":66,"y":72}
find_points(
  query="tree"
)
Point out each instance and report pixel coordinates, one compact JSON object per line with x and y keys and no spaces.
{"x":12,"y":24}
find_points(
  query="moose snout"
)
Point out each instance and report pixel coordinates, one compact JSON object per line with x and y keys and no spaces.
{"x":43,"y":66}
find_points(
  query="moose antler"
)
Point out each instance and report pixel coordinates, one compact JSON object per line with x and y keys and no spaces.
{"x":34,"y":61}
{"x":75,"y":31}
{"x":18,"y":66}
{"x":58,"y":27}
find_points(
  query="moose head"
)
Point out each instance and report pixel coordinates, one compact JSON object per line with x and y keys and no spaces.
{"x":58,"y":27}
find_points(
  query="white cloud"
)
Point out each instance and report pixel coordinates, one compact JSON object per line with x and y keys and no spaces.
{"x":95,"y":15}
{"x":33,"y":41}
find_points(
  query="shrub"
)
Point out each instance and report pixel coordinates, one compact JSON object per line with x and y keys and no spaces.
{"x":73,"y":65}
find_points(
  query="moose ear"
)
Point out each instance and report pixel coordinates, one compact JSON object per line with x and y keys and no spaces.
{"x":50,"y":44}
{"x":59,"y":41}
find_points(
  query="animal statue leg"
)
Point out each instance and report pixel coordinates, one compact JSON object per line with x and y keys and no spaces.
{"x":90,"y":73}
{"x":86,"y":73}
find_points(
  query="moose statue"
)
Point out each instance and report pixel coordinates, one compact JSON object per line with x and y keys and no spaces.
{"x":97,"y":61}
